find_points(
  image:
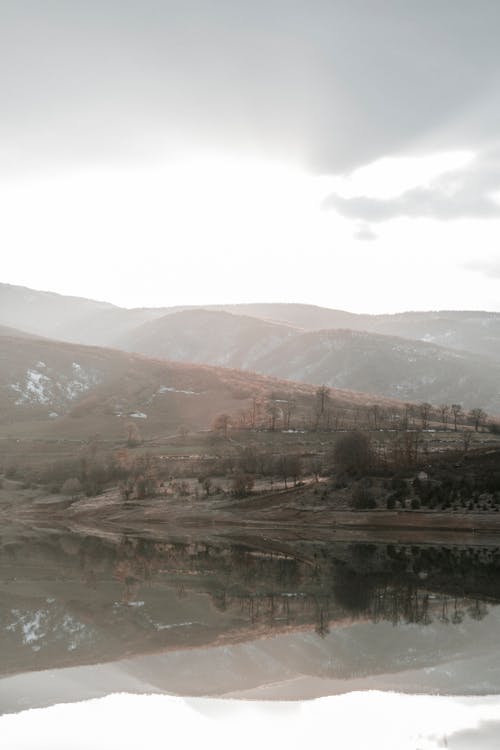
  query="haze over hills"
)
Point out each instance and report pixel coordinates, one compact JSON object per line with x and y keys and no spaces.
{"x":76,"y":319}
{"x":440,"y":357}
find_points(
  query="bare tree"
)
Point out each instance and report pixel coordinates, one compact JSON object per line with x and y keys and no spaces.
{"x":456,"y":410}
{"x":182,"y":431}
{"x":406,"y":448}
{"x":255,"y":411}
{"x":375,"y":412}
{"x":274,"y":412}
{"x":321,"y":404}
{"x":477,"y":417}
{"x":221,"y":424}
{"x":444,"y":412}
{"x":242,"y":485}
{"x":407,"y":416}
{"x":425,"y":410}
{"x":289,"y":408}
{"x":338,"y":416}
{"x":466,"y":440}
{"x":133,"y":435}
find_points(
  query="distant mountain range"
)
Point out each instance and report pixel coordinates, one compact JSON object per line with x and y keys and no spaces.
{"x":440,"y":357}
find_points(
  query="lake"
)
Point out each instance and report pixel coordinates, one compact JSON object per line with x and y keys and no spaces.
{"x":273,"y":615}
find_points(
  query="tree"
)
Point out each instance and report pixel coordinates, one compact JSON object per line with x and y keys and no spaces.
{"x":295,"y":468}
{"x":182,"y":431}
{"x":255,"y":411}
{"x":71,"y":488}
{"x":477,"y":417}
{"x":221,"y":424}
{"x":375,"y":416}
{"x":242,"y":485}
{"x":444,"y":411}
{"x":405,"y":449}
{"x":466,"y":440}
{"x":274,"y":412}
{"x":289,"y":466}
{"x":321,"y":403}
{"x":289,"y":408}
{"x":133,"y":435}
{"x":456,"y":410}
{"x":353,"y":451}
{"x":407,"y":416}
{"x":425,"y":410}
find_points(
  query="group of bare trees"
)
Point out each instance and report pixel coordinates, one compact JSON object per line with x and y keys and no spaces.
{"x":321,"y":412}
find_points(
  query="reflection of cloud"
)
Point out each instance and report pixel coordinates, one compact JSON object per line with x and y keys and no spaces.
{"x":467,"y":193}
{"x":365,"y":233}
{"x":484,"y":736}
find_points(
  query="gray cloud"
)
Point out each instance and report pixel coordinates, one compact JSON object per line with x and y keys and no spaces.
{"x":365,"y":233}
{"x":489,"y":268}
{"x":462,"y":194}
{"x":333,"y":83}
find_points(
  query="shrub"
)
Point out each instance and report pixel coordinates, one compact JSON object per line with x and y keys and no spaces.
{"x":363,"y":499}
{"x":72,"y":487}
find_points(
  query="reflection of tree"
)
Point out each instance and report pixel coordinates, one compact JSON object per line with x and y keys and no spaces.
{"x":458,"y":614}
{"x":275,"y":582}
{"x":353,"y":592}
{"x":478,"y":610}
{"x":322,"y":617}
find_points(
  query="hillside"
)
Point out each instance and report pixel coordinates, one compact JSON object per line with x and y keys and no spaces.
{"x":386,"y":365}
{"x":473,"y":331}
{"x":87,"y":321}
{"x":357,"y":360}
{"x":210,"y":337}
{"x":440,"y":357}
{"x":57,"y":389}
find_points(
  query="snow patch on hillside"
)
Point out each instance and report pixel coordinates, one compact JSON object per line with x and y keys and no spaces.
{"x":169,"y":389}
{"x":41,"y":386}
{"x":36,"y":387}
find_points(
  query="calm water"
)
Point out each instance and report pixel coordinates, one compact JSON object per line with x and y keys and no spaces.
{"x":230,"y":615}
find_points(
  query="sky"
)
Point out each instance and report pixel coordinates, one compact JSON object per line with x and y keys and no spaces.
{"x":179,"y":152}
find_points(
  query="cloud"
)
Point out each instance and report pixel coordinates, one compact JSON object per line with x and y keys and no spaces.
{"x":488,"y":267}
{"x":466,"y":193}
{"x":331,"y":83}
{"x":365,"y":233}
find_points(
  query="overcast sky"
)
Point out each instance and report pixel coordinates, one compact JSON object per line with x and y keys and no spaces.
{"x":341,"y":153}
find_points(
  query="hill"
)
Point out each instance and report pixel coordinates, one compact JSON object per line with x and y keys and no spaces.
{"x":394,"y":367}
{"x":357,"y":360}
{"x":473,"y":331}
{"x":210,"y":337}
{"x":55,"y":389}
{"x":67,"y":318}
{"x":440,"y":357}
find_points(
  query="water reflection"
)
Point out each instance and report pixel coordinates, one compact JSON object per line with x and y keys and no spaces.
{"x":70,"y":598}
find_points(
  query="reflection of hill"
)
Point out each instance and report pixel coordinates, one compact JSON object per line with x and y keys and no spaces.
{"x":69,"y":600}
